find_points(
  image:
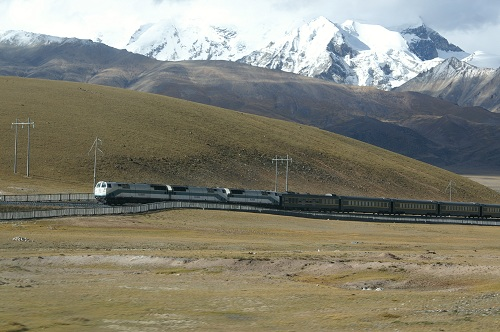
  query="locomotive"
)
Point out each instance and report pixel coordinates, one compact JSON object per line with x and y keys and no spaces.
{"x":121,"y":193}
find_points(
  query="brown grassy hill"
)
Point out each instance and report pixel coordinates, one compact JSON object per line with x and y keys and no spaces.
{"x":403,"y":117}
{"x":152,"y":138}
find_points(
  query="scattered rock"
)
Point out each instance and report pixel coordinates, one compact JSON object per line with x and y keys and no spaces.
{"x":22,"y":239}
{"x":389,"y":255}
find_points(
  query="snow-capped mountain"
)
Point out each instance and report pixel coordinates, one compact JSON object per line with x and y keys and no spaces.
{"x":350,"y":53}
{"x":24,"y":38}
{"x":427,"y":44}
{"x":460,"y":83}
{"x":164,"y":41}
{"x":317,"y":49}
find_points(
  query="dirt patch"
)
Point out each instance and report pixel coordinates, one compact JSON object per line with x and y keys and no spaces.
{"x":491,"y":181}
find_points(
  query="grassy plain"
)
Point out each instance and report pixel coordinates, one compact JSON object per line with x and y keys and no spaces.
{"x":228,"y":271}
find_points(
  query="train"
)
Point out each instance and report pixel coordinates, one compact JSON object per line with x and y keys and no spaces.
{"x":116,"y":193}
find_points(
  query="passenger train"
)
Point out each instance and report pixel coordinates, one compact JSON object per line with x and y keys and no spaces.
{"x":121,"y":193}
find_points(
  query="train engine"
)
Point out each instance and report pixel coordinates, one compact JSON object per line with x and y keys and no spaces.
{"x":121,"y":193}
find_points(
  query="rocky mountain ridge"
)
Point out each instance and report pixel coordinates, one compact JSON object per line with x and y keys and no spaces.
{"x":460,"y":83}
{"x":348,"y":53}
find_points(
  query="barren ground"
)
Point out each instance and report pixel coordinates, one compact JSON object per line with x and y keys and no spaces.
{"x":491,"y":181}
{"x":213,"y":271}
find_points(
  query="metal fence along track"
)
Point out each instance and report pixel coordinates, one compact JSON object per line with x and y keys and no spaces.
{"x":47,"y":198}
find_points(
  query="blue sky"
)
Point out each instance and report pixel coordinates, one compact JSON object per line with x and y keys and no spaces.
{"x":472,"y":25}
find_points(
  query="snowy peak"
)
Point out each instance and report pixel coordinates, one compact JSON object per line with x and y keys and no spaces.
{"x":452,"y":68}
{"x":375,"y":37}
{"x":23,"y":38}
{"x":165,"y":41}
{"x":460,"y":83}
{"x":352,"y":53}
{"x":427,"y":44}
{"x":315,"y":49}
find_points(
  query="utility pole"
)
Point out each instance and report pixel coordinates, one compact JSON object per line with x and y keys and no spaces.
{"x":16,"y":124}
{"x":96,"y":148}
{"x":15,"y":147}
{"x":276,"y":159}
{"x":450,"y":188}
{"x":287,"y":160}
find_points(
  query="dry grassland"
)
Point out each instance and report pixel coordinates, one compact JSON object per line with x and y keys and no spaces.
{"x":223,"y":271}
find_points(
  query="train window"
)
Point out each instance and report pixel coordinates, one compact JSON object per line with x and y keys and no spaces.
{"x":108,"y":185}
{"x":155,"y":187}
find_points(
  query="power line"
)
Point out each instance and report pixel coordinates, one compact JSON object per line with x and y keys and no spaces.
{"x":450,"y":188}
{"x":96,"y":148}
{"x":22,"y":124}
{"x":276,"y":159}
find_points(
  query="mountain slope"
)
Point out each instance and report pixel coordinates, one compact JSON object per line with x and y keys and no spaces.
{"x":460,"y":83}
{"x":72,"y":60}
{"x":152,"y":138}
{"x":270,"y":93}
{"x":403,"y":117}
